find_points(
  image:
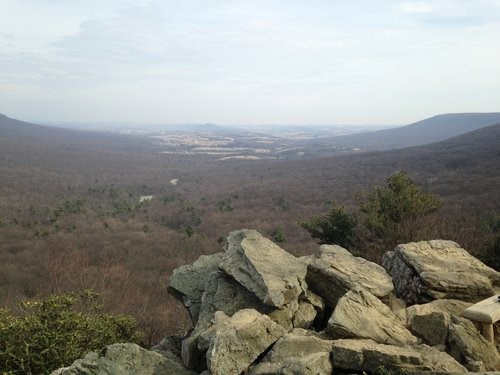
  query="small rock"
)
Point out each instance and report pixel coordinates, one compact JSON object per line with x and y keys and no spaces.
{"x":433,"y":328}
{"x":397,"y":306}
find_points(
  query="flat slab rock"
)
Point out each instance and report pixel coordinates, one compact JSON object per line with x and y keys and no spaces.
{"x":273,"y":275}
{"x":334,"y":271}
{"x":359,"y":314}
{"x":367,"y":355}
{"x":427,"y":270}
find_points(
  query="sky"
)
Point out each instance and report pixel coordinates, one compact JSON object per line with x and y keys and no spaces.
{"x":248,"y":61}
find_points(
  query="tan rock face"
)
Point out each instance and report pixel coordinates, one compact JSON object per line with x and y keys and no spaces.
{"x":335,"y":271}
{"x":428,"y":270}
{"x":298,"y":352}
{"x":234,"y":343}
{"x":273,"y":275}
{"x":359,"y":314}
{"x":367,"y":355}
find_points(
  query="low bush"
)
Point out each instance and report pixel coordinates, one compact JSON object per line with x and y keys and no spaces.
{"x":54,"y":332}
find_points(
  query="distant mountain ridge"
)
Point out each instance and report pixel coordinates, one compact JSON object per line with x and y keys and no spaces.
{"x":21,"y":132}
{"x":435,"y":129}
{"x":431,"y":130}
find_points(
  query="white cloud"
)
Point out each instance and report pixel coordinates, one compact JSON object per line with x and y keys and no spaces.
{"x":248,"y":61}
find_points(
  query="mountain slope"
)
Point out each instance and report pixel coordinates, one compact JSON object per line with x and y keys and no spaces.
{"x":427,"y":131}
{"x":17,"y":132}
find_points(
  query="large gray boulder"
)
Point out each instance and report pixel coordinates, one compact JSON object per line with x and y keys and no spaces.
{"x":187,"y":282}
{"x":125,"y":359}
{"x":428,"y":270}
{"x":470,"y":348}
{"x":359,"y":314}
{"x":335,"y":271}
{"x":298,"y":352}
{"x":233,"y":343}
{"x":273,"y":275}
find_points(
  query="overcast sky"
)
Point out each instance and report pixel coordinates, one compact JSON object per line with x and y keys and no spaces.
{"x":248,"y":61}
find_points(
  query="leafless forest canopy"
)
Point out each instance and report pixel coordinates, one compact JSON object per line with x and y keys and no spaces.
{"x":71,"y":215}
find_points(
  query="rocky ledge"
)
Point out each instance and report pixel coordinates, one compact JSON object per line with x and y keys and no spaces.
{"x":259,"y":310}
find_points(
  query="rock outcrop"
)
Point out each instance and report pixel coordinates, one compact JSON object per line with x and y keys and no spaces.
{"x":334,"y":271}
{"x":259,"y":310}
{"x":429,"y":270}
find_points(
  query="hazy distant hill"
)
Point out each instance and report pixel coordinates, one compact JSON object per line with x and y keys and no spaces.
{"x":477,"y":151}
{"x":430,"y":130}
{"x":20,"y":132}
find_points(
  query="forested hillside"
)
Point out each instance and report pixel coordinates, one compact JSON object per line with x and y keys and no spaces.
{"x":104,"y":212}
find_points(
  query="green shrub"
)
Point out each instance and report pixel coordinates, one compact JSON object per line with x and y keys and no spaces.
{"x":336,"y":227}
{"x":395,"y":211}
{"x":391,"y":214}
{"x":278,"y":235}
{"x":54,"y":332}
